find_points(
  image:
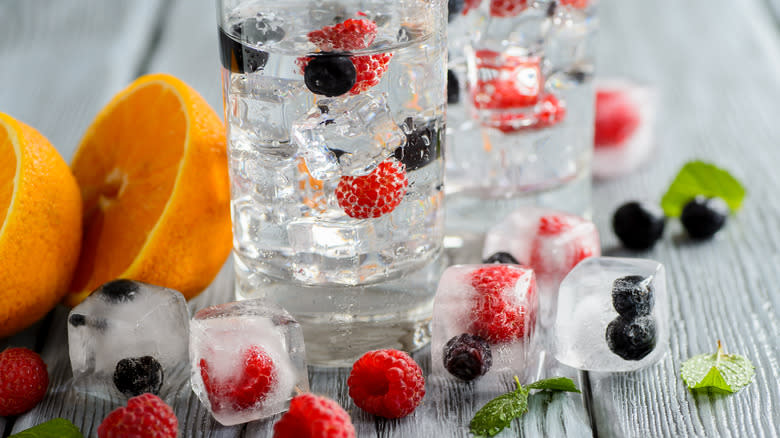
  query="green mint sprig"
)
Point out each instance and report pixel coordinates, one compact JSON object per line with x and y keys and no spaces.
{"x":498,"y":413}
{"x":56,"y":428}
{"x":700,"y":178}
{"x":719,"y":372}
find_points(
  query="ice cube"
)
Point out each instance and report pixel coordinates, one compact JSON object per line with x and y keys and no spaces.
{"x":128,"y":338}
{"x":495,"y":302}
{"x":227,"y":340}
{"x":590,"y":334}
{"x":548,"y":241}
{"x":347,"y":135}
{"x":625,"y":119}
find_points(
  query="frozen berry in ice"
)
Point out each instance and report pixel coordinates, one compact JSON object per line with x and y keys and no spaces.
{"x":329,"y":75}
{"x":639,"y":224}
{"x":120,"y":291}
{"x":136,"y":375}
{"x":453,"y":88}
{"x":467,"y":357}
{"x":454,"y":7}
{"x":632,"y":338}
{"x":257,"y":375}
{"x":632,"y":295}
{"x":502,"y":257}
{"x":375,"y":194}
{"x":702,"y":217}
{"x":617,"y":118}
{"x":507,"y":8}
{"x":422,"y":146}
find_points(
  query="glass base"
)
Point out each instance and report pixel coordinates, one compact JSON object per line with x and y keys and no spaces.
{"x":470,"y":215}
{"x":340,"y":323}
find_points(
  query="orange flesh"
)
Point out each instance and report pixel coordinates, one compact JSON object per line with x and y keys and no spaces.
{"x":127,"y":178}
{"x":7,"y":174}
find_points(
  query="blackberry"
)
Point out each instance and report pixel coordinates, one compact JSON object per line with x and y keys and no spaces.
{"x":330,"y":75}
{"x":702,"y":217}
{"x":633,"y":295}
{"x":137,"y":375}
{"x":454,"y":8}
{"x":238,"y":57}
{"x":77,"y":320}
{"x":467,"y":357}
{"x":453,"y":88}
{"x":423,"y":144}
{"x":119,"y":291}
{"x":501,"y":257}
{"x":631,"y":338}
{"x":639,"y":224}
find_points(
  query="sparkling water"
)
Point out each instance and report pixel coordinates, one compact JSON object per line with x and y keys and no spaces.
{"x":290,"y":147}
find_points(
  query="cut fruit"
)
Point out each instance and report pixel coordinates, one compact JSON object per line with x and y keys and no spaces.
{"x":152,"y":169}
{"x":40,"y":226}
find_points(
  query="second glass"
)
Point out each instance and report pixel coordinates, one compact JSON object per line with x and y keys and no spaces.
{"x":335,"y":114}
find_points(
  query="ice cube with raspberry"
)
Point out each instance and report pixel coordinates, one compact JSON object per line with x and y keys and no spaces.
{"x":247,"y":360}
{"x":128,"y":338}
{"x":612,"y":315}
{"x":548,"y":241}
{"x":625,"y":119}
{"x":484,"y":321}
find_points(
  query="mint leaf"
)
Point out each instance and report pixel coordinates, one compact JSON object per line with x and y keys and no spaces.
{"x":555,"y":384}
{"x":56,"y":428}
{"x":700,"y":178}
{"x":718,"y":372}
{"x":498,"y":413}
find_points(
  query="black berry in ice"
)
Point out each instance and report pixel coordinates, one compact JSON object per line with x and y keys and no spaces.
{"x":454,"y":8}
{"x":639,"y":225}
{"x":329,"y":75}
{"x":453,"y":88}
{"x":423,"y":144}
{"x":467,"y":357}
{"x":702,"y":217}
{"x":137,"y":375}
{"x":502,"y":257}
{"x":237,"y":56}
{"x":633,"y":295}
{"x":632,"y":338}
{"x":121,"y":290}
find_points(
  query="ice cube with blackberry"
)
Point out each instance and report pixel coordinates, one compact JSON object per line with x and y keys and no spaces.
{"x":612,"y":315}
{"x":247,"y":360}
{"x":484,"y":321}
{"x":128,"y":338}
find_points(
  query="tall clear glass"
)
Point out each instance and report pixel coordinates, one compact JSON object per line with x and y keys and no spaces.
{"x":335,"y":112}
{"x":520,"y":125}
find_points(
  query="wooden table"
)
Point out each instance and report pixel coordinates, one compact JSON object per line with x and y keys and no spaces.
{"x":716,"y":65}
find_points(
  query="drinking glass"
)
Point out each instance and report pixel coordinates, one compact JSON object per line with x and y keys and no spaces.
{"x":335,"y":116}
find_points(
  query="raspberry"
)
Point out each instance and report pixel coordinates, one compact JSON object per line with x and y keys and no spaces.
{"x":506,"y":81}
{"x":375,"y":194}
{"x":471,"y":4}
{"x":467,"y":357}
{"x":495,"y":314}
{"x":616,"y":118}
{"x":577,"y":4}
{"x":548,"y":112}
{"x":312,"y":416}
{"x":144,"y":416}
{"x":507,"y":8}
{"x":352,"y":34}
{"x":23,"y":381}
{"x":574,"y":252}
{"x":244,"y":391}
{"x":387,"y":383}
{"x":370,"y":69}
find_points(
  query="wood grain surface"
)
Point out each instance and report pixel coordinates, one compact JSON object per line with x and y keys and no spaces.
{"x":715,"y":65}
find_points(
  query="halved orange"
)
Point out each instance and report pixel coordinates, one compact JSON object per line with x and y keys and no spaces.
{"x":40,"y":226}
{"x":152,"y":169}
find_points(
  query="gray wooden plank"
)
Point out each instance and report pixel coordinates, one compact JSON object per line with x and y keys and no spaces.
{"x":716,"y":67}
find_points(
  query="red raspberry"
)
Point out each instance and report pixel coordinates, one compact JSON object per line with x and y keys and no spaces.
{"x":370,"y":69}
{"x":352,"y":34}
{"x":312,"y":416}
{"x":575,"y":251}
{"x":375,"y":194}
{"x":507,"y":8}
{"x":548,"y":112}
{"x":495,"y":313}
{"x":387,"y":383}
{"x":471,"y":4}
{"x":145,"y":416}
{"x":616,"y":118}
{"x":23,"y":381}
{"x":245,"y":390}
{"x":577,"y":4}
{"x":505,"y":81}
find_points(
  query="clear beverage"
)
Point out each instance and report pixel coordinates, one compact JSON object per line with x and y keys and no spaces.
{"x":354,"y":282}
{"x":522,"y":130}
